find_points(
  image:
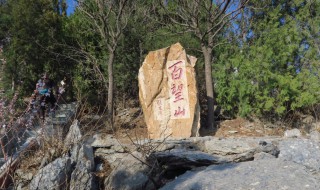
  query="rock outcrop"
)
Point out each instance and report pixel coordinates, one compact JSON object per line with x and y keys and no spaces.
{"x":302,"y":151}
{"x":53,"y":176}
{"x":263,"y":174}
{"x":82,"y":177}
{"x":168,"y":93}
{"x":225,"y":163}
{"x":289,"y":162}
{"x":131,"y":174}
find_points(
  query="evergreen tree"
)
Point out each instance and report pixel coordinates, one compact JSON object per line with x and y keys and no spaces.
{"x":274,"y":70}
{"x":33,"y":34}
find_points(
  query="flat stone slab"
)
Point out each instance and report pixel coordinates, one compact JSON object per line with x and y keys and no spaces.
{"x":253,"y":175}
{"x":301,"y":151}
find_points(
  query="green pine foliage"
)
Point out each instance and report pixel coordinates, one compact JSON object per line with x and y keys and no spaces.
{"x":276,"y":69}
{"x":33,"y":35}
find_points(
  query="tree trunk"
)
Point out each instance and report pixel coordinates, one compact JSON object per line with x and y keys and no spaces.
{"x":13,"y":86}
{"x":140,"y":53}
{"x":209,"y":88}
{"x":110,"y":88}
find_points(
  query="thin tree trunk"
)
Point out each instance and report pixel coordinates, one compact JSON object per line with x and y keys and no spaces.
{"x":140,"y":52}
{"x":209,"y":88}
{"x":110,"y":88}
{"x":13,"y":86}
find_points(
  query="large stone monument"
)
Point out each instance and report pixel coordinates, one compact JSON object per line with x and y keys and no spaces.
{"x":168,"y":93}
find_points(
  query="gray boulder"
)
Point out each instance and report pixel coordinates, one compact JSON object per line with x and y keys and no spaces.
{"x":73,"y":139}
{"x":74,"y":135}
{"x":293,"y":133}
{"x":131,"y":174}
{"x":54,"y":176}
{"x":82,"y":177}
{"x":239,"y":149}
{"x":113,"y":158}
{"x":86,"y":157}
{"x":301,"y":151}
{"x":315,"y":135}
{"x":102,"y":141}
{"x":261,"y":174}
{"x":108,"y":148}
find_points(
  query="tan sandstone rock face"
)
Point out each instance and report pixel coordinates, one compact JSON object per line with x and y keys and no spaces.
{"x":168,"y":93}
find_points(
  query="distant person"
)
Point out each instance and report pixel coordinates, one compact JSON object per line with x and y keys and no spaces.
{"x":44,"y":88}
{"x":61,"y":89}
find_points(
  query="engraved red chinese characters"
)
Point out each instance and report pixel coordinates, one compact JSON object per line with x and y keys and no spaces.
{"x":177,"y":92}
{"x":176,"y":70}
{"x":179,"y":111}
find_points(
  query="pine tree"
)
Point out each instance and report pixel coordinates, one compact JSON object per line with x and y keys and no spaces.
{"x":34,"y":31}
{"x":275,"y":70}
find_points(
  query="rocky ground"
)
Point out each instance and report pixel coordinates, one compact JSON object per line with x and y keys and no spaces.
{"x":243,"y":154}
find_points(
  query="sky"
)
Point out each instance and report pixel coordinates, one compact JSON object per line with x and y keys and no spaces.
{"x":71,"y":6}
